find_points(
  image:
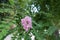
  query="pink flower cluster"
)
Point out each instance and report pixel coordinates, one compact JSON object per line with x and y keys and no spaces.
{"x":26,"y":23}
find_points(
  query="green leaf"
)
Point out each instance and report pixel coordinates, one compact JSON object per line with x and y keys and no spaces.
{"x":51,"y":30}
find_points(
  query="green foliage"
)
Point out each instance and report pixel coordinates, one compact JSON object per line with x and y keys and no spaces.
{"x":44,"y":22}
{"x":11,"y":2}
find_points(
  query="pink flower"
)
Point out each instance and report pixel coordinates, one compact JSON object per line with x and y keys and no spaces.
{"x":26,"y":23}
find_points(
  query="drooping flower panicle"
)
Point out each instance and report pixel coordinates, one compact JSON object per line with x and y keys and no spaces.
{"x":26,"y":23}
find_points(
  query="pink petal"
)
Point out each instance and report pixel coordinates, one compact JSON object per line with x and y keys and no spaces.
{"x":26,"y":23}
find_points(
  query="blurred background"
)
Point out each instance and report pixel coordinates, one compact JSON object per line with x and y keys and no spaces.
{"x":45,"y":16}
